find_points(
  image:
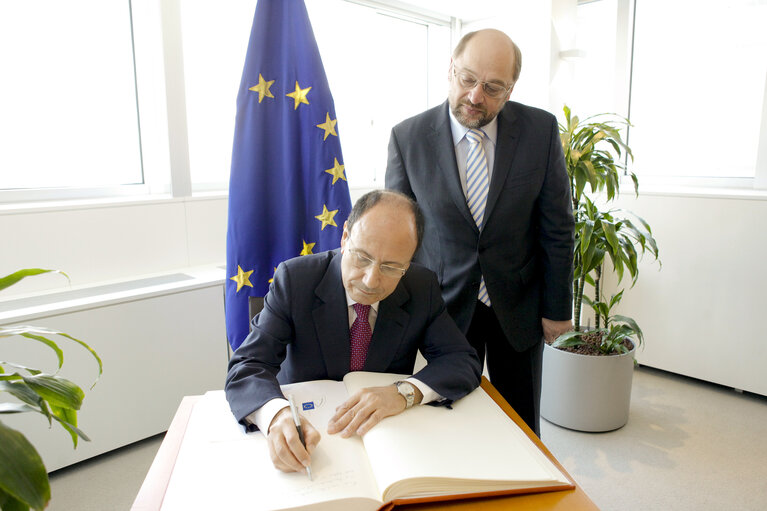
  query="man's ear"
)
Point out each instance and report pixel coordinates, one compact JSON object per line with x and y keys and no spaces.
{"x":508,"y":95}
{"x":344,"y":236}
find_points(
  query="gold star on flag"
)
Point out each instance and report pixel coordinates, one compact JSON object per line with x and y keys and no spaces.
{"x":242,"y":278}
{"x":299,"y":95}
{"x":272,"y":279}
{"x":337,"y":171}
{"x":327,"y":217}
{"x":329,"y":126}
{"x":262,"y":88}
{"x":307,"y":248}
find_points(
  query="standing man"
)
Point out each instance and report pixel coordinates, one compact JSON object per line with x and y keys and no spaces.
{"x":363,"y":307}
{"x":490,"y":176}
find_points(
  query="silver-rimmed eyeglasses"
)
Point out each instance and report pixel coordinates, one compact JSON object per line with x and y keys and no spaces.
{"x":361,"y":261}
{"x":468,"y":81}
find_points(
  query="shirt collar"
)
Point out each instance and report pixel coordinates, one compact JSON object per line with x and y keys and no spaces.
{"x":459,"y":130}
{"x":350,"y":302}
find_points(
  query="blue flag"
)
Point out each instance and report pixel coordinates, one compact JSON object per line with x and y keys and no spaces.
{"x":288,"y":194}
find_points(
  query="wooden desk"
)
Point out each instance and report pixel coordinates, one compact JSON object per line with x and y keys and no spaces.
{"x":151,"y":494}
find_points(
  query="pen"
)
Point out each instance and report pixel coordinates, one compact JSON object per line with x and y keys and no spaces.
{"x":299,"y":429}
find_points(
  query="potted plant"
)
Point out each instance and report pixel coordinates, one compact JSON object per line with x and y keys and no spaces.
{"x":23,"y":477}
{"x":587,"y":372}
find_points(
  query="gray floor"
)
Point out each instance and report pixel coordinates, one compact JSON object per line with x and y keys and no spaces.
{"x":688,"y":446}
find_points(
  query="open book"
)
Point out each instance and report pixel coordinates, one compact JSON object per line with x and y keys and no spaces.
{"x":425,"y":453}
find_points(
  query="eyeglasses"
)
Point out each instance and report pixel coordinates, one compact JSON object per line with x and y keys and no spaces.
{"x":468,"y":81}
{"x":361,"y":261}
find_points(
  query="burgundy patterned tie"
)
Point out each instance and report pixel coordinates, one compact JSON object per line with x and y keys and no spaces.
{"x":360,"y":334}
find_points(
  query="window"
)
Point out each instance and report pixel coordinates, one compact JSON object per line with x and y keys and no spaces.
{"x":594,"y":67}
{"x":67,"y":97}
{"x":698,"y":87}
{"x":690,"y":73}
{"x":215,"y":41}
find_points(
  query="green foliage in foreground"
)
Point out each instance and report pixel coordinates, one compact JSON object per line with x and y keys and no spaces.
{"x":23,"y":477}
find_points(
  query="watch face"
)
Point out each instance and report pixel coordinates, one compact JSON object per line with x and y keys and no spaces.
{"x":407,"y":391}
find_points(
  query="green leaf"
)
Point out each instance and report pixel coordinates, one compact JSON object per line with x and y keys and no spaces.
{"x":73,"y":430}
{"x":9,"y":503}
{"x":616,"y":298}
{"x":586,"y":235}
{"x":13,"y":278}
{"x":32,"y":332}
{"x":37,"y":333}
{"x":90,"y":350}
{"x":601,"y":309}
{"x":68,"y":420}
{"x":630,"y":323}
{"x":22,"y":472}
{"x":16,"y":408}
{"x":610,"y":236}
{"x":16,"y":375}
{"x":568,"y":340}
{"x":56,"y":390}
{"x":23,"y":393}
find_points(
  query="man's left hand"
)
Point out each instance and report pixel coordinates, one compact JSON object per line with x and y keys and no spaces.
{"x":553,"y":329}
{"x":366,"y":408}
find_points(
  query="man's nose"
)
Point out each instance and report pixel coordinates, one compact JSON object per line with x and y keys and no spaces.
{"x":372,"y":276}
{"x":477,"y":93}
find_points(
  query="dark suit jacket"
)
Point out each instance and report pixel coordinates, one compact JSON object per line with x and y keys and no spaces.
{"x":525,"y":248}
{"x":302,"y":334}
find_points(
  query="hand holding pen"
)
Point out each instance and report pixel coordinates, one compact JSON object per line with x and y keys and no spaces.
{"x":288,"y":451}
{"x":300,"y":430}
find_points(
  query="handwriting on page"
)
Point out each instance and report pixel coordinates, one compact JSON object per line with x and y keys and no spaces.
{"x":329,"y":482}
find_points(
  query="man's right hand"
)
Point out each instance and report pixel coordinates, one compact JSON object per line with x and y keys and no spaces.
{"x":285,"y":447}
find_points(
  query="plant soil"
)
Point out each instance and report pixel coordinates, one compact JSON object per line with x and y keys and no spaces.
{"x":591,"y":345}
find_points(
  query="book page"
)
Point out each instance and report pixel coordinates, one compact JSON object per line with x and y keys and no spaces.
{"x":474,"y":447}
{"x":220,"y":466}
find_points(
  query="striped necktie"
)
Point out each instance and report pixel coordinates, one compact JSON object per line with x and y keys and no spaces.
{"x":476,"y":176}
{"x":477,"y":185}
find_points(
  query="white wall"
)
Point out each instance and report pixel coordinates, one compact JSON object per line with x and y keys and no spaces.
{"x":96,"y":241}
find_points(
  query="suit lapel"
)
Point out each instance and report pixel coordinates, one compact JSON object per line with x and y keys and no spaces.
{"x":505,"y":147}
{"x":331,"y":319}
{"x":441,"y":141}
{"x":389,"y":330}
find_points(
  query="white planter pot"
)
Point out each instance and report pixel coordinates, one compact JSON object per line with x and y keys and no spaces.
{"x":586,"y":393}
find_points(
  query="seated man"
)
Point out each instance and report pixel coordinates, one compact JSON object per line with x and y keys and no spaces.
{"x":303,"y":332}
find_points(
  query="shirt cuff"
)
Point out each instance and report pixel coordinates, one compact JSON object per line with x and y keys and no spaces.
{"x":429,"y":394}
{"x":263,"y":417}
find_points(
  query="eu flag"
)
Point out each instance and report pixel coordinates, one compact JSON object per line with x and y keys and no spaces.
{"x":288,"y":194}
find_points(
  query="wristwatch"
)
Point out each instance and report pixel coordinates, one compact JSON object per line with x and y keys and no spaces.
{"x":407,"y":391}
